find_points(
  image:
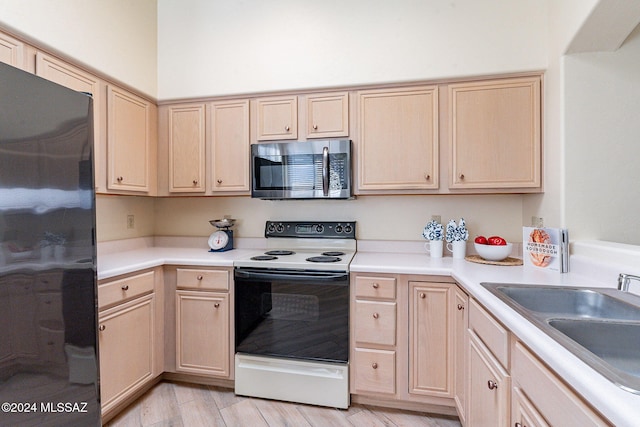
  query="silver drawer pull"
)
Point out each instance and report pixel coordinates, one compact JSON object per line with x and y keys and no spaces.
{"x":492,"y":385}
{"x":375,"y":286}
{"x":460,"y":307}
{"x":376,"y":315}
{"x":125,"y":287}
{"x":216,"y":305}
{"x":374,"y":365}
{"x":423,"y":295}
{"x":199,"y":277}
{"x":102,"y":328}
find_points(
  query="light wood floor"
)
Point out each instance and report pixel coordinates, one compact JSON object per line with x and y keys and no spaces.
{"x":191,"y":405}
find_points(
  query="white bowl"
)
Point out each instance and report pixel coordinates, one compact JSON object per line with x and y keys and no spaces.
{"x":493,"y":252}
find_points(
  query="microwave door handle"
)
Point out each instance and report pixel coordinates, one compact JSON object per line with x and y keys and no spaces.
{"x":325,"y":171}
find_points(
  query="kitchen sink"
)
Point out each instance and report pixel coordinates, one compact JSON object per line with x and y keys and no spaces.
{"x":571,"y":302}
{"x":616,"y":344}
{"x":601,"y":326}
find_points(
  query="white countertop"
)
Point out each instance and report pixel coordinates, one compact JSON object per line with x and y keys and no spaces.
{"x":620,"y":407}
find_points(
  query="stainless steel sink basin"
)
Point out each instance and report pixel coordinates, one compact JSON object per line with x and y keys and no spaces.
{"x":571,"y":302}
{"x":615,"y":345}
{"x":601,"y":326}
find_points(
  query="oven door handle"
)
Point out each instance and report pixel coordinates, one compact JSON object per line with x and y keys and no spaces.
{"x":291,"y":275}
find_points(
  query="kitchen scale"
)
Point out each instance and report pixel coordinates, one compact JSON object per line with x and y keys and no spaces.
{"x":221,"y":240}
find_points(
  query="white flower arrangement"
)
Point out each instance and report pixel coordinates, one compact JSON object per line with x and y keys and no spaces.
{"x":456,"y":233}
{"x":433,"y":231}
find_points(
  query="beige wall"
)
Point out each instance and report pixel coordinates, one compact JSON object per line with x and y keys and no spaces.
{"x":116,"y":37}
{"x":384,"y":218}
{"x":602,"y":140}
{"x":216,"y":47}
{"x":378,"y":217}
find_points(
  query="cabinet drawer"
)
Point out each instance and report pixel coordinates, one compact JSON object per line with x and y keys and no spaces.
{"x":375,"y":322}
{"x":376,"y":287}
{"x":124,"y":289}
{"x":557,"y":403}
{"x":375,"y":371}
{"x":203,"y":279}
{"x":492,"y":333}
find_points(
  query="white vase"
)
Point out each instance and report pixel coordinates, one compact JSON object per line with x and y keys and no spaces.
{"x":434,"y":248}
{"x":58,"y":253}
{"x":458,"y":249}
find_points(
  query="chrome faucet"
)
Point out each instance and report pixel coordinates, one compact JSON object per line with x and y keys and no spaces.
{"x":623,"y":281}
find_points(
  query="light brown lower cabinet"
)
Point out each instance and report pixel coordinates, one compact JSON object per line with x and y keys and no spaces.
{"x":126,"y":341}
{"x":202,"y":333}
{"x":523,"y":413}
{"x":203,"y":313}
{"x":489,"y":387}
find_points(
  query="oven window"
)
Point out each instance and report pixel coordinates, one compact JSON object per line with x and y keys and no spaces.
{"x":306,"y":319}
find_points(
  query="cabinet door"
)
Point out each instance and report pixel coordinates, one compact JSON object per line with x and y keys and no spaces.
{"x":187,"y":148}
{"x":430,"y":339}
{"x":277,"y":118}
{"x":489,"y":387}
{"x":128,"y":141}
{"x":495,"y":133}
{"x":328,"y":115}
{"x":11,"y":51}
{"x":202,"y":333}
{"x":230,"y":146}
{"x":523,"y":413}
{"x":126,"y":341}
{"x":461,"y":323}
{"x":398,"y":141}
{"x":57,"y":71}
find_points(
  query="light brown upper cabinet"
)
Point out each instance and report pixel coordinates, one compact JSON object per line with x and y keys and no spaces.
{"x":277,"y":118}
{"x":187,"y":148}
{"x":11,"y":51}
{"x":230,"y":146}
{"x":328,"y":115}
{"x":64,"y":74}
{"x":398,"y":139}
{"x":129,"y":139}
{"x":495,"y":134}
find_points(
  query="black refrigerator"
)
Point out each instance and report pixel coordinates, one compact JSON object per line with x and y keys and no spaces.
{"x":48,"y":298}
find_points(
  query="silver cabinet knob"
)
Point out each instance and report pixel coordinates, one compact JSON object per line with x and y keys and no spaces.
{"x":125,"y":287}
{"x":376,"y":315}
{"x":423,"y":295}
{"x":199,"y":277}
{"x":315,"y":127}
{"x":461,"y":176}
{"x":102,"y":328}
{"x":287,"y":128}
{"x":492,"y":385}
{"x":460,"y":307}
{"x":219,"y":181}
{"x":427,"y":177}
{"x":375,"y":286}
{"x":216,"y":305}
{"x":195,"y":182}
{"x":374,"y":365}
{"x":119,"y":179}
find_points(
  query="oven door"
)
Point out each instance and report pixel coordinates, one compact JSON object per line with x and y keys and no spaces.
{"x":292,"y":314}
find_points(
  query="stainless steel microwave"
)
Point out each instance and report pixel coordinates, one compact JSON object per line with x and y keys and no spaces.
{"x":301,"y":170}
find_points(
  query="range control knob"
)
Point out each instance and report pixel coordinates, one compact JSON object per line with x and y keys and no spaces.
{"x":338,"y":228}
{"x":271,"y":228}
{"x":280,"y":228}
{"x":348,"y":229}
{"x":319,"y":228}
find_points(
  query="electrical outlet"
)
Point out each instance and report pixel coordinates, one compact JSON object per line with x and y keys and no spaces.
{"x":436,"y":218}
{"x":537,"y":221}
{"x":131,"y":222}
